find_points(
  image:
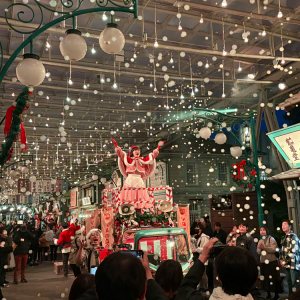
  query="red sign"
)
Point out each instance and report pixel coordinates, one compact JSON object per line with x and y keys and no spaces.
{"x":73,"y":200}
{"x":107,"y":227}
{"x":183,"y":219}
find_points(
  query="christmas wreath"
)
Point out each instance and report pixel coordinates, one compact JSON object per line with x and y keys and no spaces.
{"x":244,"y":174}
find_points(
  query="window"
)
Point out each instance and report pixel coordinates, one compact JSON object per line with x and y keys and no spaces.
{"x":223,"y":172}
{"x":191,"y":173}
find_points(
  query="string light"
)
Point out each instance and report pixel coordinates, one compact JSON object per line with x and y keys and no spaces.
{"x":279,"y":12}
{"x":224,"y":3}
{"x":104,"y":17}
{"x":84,"y":85}
{"x":201,"y":19}
{"x":240,"y":68}
{"x":207,"y":64}
{"x":224,"y":50}
{"x":93,"y":50}
{"x":155,"y":43}
{"x":48,"y":45}
{"x":264,"y":32}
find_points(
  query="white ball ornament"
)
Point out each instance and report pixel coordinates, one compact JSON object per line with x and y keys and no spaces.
{"x":73,"y":45}
{"x":63,"y":139}
{"x":220,"y":138}
{"x":205,"y":132}
{"x":32,"y":178}
{"x":95,"y":177}
{"x":37,"y":70}
{"x":141,"y":79}
{"x":53,"y":181}
{"x":236,"y":151}
{"x":111,"y":39}
{"x":43,"y":138}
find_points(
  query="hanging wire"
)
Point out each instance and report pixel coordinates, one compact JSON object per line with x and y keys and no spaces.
{"x":191,"y":73}
{"x":155,"y":43}
{"x":224,"y":49}
{"x":282,"y":46}
{"x":223,"y":95}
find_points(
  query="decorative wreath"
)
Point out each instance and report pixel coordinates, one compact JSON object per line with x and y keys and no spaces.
{"x":244,"y":174}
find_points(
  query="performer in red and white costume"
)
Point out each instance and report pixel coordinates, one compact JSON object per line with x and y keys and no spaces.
{"x":136,"y":169}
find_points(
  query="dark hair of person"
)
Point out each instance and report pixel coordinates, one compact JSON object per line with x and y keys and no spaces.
{"x":2,"y":229}
{"x":286,"y":221}
{"x":218,"y":224}
{"x":169,"y":275}
{"x":134,"y":148}
{"x":199,"y":225}
{"x":242,"y":223}
{"x":265,"y":228}
{"x":237,"y":270}
{"x":120,"y":276}
{"x":80,"y":285}
{"x":51,"y":226}
{"x":65,"y":225}
{"x":204,"y":220}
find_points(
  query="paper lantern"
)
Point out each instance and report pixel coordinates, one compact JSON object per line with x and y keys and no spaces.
{"x":30,"y":71}
{"x":205,"y":132}
{"x":95,"y":177}
{"x":236,"y":151}
{"x":23,"y":190}
{"x":111,"y":39}
{"x":221,"y":138}
{"x":73,"y":45}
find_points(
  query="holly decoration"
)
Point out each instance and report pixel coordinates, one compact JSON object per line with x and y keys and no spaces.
{"x":243,"y":174}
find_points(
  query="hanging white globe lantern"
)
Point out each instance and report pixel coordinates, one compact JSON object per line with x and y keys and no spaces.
{"x":73,"y":45}
{"x":221,"y":138}
{"x":236,"y":151}
{"x":32,"y":178}
{"x":53,"y":181}
{"x":111,"y":39}
{"x":205,"y":132}
{"x":23,"y":190}
{"x":24,"y":170}
{"x":30,"y":71}
{"x":95,"y":177}
{"x":13,"y":173}
{"x":10,"y":181}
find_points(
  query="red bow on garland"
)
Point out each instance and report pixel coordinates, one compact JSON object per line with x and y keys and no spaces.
{"x":8,"y":119}
{"x":240,"y":168}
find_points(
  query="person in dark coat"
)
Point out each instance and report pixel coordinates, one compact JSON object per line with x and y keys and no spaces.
{"x":219,"y":233}
{"x":239,"y":283}
{"x":34,"y":246}
{"x":22,"y":239}
{"x":245,"y":240}
{"x":5,"y":248}
{"x":206,"y":229}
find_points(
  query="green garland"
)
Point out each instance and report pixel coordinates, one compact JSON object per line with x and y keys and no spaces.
{"x":250,"y":173}
{"x":15,"y":128}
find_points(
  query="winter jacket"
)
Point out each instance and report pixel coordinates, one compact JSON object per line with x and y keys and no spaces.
{"x":202,"y":241}
{"x":188,"y":288}
{"x":22,"y":240}
{"x":246,"y":241}
{"x":219,"y":294}
{"x":270,"y":248}
{"x":290,"y":252}
{"x":221,"y":235}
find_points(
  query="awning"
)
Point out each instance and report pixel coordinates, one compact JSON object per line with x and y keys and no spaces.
{"x":290,"y":174}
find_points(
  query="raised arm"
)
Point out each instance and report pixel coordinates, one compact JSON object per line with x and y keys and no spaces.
{"x":118,"y":150}
{"x":156,"y":151}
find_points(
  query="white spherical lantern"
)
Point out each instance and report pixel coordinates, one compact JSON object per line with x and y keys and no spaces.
{"x":13,"y":173}
{"x":53,"y":181}
{"x":43,"y":138}
{"x":95,"y":177}
{"x":32,"y":178}
{"x":236,"y":151}
{"x":2,"y":180}
{"x":10,"y":181}
{"x":111,"y":39}
{"x":24,"y":170}
{"x":221,"y":138}
{"x":73,"y":45}
{"x":205,"y":132}
{"x":23,"y":190}
{"x":30,"y":71}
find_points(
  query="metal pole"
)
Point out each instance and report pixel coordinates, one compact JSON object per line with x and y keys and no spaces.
{"x":257,"y":181}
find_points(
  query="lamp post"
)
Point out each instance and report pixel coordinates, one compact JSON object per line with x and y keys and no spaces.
{"x":218,"y":117}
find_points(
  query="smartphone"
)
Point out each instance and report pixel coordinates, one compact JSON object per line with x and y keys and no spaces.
{"x":20,"y":222}
{"x":137,"y":253}
{"x":93,"y":270}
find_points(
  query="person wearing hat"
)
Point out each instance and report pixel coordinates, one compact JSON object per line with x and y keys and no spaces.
{"x":65,"y":240}
{"x":136,"y":169}
{"x":92,"y":255}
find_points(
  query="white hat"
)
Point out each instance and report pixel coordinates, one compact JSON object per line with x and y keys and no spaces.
{"x":79,"y":231}
{"x":91,"y":232}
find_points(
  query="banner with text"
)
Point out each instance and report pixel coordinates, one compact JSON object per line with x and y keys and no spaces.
{"x":183,"y":219}
{"x":107,"y":227}
{"x":91,"y":219}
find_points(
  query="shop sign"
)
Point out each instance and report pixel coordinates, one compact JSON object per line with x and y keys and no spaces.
{"x":86,"y":201}
{"x":287,"y":142}
{"x":73,"y":199}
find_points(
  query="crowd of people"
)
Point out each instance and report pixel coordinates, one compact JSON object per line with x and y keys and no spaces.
{"x":225,"y":266}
